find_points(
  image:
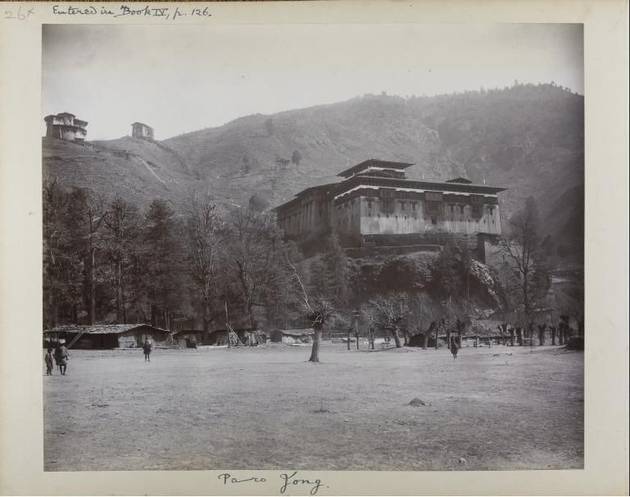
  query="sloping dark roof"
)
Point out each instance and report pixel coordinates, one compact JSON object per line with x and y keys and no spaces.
{"x":102,"y":329}
{"x":456,"y":185}
{"x":374,"y":163}
{"x":141,"y":124}
{"x":236,"y":330}
{"x":416,"y":184}
{"x":325,"y":186}
{"x":187,"y":332}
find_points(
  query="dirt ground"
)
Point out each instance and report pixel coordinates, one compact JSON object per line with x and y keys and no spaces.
{"x":266,"y":407}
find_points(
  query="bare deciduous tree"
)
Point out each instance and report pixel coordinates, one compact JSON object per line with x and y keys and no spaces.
{"x":254,"y":254}
{"x":317,"y":310}
{"x":203,"y":227}
{"x":121,"y":232}
{"x":521,"y":247}
{"x":390,"y":312}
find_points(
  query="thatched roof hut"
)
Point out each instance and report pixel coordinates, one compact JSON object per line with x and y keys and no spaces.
{"x":292,"y":336}
{"x":107,"y":336}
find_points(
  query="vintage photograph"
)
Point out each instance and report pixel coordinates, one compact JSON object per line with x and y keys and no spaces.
{"x":313,"y":246}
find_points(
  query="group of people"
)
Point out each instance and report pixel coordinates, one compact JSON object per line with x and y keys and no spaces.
{"x":60,"y":356}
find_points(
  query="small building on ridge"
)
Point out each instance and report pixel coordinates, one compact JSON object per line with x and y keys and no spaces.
{"x":65,"y":126}
{"x":141,"y":130}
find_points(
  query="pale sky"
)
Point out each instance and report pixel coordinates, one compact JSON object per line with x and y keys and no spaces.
{"x":184,"y":78}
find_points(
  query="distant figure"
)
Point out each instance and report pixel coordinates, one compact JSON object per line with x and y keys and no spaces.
{"x":49,"y":361}
{"x":147,"y":350}
{"x":454,"y":349}
{"x":61,"y":357}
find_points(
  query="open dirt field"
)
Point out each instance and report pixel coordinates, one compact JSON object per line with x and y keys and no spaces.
{"x":267,"y":408}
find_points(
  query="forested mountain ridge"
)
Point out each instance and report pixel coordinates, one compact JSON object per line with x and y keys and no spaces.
{"x":527,"y":138}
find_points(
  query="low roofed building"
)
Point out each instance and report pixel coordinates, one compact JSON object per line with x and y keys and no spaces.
{"x":107,"y":336}
{"x":292,"y":336}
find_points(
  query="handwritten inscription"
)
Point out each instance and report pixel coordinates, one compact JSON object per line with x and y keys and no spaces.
{"x":125,"y":10}
{"x":20,"y":13}
{"x":294,"y":481}
{"x":287,"y":481}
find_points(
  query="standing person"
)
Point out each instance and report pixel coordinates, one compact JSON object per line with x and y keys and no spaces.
{"x":147,"y":350}
{"x":49,"y":361}
{"x":62,"y":356}
{"x":454,"y":348}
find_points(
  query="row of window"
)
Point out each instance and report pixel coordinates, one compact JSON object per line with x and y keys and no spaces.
{"x":435,"y":206}
{"x":433,"y":218}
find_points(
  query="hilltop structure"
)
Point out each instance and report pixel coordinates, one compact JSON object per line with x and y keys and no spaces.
{"x":376,"y":205}
{"x":65,"y":126}
{"x":141,"y":130}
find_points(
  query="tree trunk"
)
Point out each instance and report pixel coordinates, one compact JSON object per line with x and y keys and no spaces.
{"x":123,"y":301}
{"x":348,"y":338}
{"x":315,"y":349}
{"x":250,"y":313}
{"x":553,"y":335}
{"x":206,"y":314}
{"x":396,"y":337}
{"x":437,"y":335}
{"x":425,"y":338}
{"x":227,"y":324}
{"x":55,"y":309}
{"x":503,"y":329}
{"x":119,"y":297}
{"x":92,"y":276}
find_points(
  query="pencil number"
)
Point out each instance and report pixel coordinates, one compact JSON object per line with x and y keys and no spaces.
{"x":20,"y":14}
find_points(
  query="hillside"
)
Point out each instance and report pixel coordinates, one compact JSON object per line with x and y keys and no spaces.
{"x":527,"y":138}
{"x":136,"y":170}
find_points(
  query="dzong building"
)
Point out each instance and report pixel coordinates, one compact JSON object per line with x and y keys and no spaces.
{"x":376,"y":205}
